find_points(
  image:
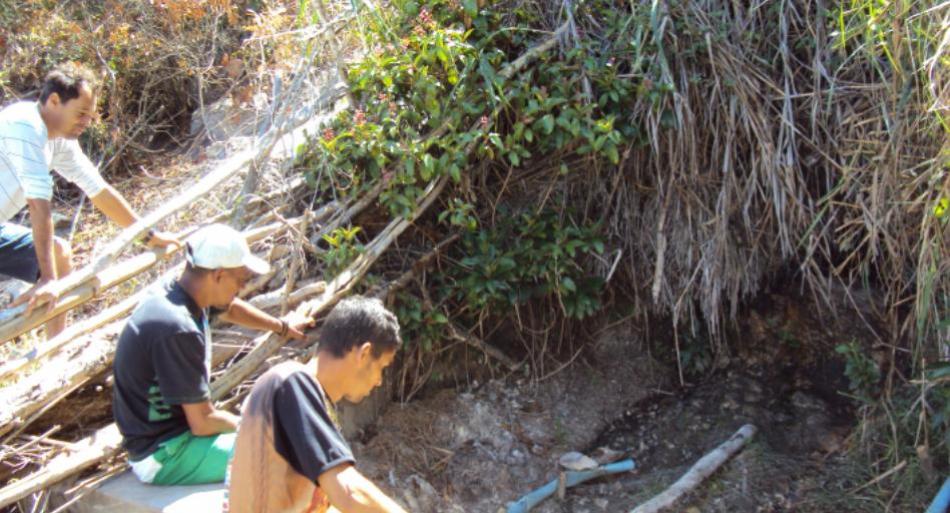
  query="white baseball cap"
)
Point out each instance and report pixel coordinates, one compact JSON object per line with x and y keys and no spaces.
{"x":219,"y":246}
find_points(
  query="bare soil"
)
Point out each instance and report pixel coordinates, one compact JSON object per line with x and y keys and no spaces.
{"x":477,"y":449}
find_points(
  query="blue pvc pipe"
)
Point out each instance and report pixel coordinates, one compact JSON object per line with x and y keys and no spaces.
{"x":524,"y":504}
{"x":942,"y":500}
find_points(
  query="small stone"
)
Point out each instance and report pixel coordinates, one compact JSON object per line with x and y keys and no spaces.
{"x":576,"y":461}
{"x":601,"y":503}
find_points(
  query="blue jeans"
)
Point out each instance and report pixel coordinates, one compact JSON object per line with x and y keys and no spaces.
{"x":17,"y":253}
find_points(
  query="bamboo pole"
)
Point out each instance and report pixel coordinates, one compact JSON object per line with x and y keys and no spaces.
{"x":107,"y":441}
{"x":91,"y":355}
{"x":335,"y":290}
{"x":698,"y":473}
{"x":104,"y":280}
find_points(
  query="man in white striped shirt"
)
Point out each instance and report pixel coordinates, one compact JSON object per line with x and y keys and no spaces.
{"x":36,"y":137}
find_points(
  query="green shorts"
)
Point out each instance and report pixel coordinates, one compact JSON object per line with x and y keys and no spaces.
{"x":187,"y":460}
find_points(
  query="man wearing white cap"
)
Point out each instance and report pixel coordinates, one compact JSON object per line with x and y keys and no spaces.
{"x":161,"y":397}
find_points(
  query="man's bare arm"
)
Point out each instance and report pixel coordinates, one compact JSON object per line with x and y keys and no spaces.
{"x":118,"y":210}
{"x":245,"y":314}
{"x":206,"y":420}
{"x":41,"y":218}
{"x":350,"y":492}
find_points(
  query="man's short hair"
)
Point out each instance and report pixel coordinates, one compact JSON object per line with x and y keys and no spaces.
{"x":66,"y":80}
{"x":356,"y":320}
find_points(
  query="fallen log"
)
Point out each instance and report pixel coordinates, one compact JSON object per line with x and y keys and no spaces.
{"x":698,"y":473}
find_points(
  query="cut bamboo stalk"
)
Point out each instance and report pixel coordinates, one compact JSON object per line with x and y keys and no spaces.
{"x":90,"y":356}
{"x":698,"y":473}
{"x":106,"y":442}
{"x":111,"y":278}
{"x":385,"y":292}
{"x":335,"y":290}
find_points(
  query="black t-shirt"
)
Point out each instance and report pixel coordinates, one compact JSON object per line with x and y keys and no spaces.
{"x":162,"y":361}
{"x":304,"y":432}
{"x":287,"y":439}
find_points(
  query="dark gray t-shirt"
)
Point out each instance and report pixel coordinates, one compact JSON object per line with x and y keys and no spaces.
{"x":288,"y":438}
{"x":162,"y":361}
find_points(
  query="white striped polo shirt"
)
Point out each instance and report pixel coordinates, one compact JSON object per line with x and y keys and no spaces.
{"x":27,"y":155}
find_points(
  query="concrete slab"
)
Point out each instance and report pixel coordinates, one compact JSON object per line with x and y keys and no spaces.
{"x":125,"y":494}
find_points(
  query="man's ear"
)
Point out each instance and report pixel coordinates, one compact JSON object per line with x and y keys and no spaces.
{"x":53,"y":100}
{"x":366,"y":351}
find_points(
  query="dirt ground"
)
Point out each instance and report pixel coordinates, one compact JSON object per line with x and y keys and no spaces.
{"x":476,"y":450}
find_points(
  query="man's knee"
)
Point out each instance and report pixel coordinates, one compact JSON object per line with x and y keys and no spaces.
{"x":63,"y":252}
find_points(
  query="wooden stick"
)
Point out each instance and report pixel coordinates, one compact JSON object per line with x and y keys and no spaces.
{"x":92,"y":355}
{"x":390,"y":288}
{"x":132,"y":233}
{"x":107,"y":441}
{"x":494,"y":352}
{"x":335,"y":290}
{"x":273,"y":299}
{"x":102,"y":445}
{"x":135,"y":266}
{"x":698,"y":473}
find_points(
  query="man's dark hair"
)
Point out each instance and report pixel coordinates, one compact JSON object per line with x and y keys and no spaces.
{"x":67,"y":80}
{"x":196,"y":271}
{"x":356,"y":320}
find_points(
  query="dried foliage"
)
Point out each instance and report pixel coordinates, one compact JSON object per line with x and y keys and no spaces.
{"x":159,"y":60}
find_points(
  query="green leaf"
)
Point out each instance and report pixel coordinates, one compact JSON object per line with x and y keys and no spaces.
{"x":547,"y":124}
{"x":568,"y":284}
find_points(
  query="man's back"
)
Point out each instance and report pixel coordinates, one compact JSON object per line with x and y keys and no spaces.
{"x":287,"y":439}
{"x":161,"y":361}
{"x":22,"y":148}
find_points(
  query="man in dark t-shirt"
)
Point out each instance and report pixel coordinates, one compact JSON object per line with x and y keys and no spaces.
{"x":161,"y":398}
{"x":290,"y":456}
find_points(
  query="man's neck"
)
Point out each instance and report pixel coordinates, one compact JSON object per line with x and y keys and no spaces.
{"x":327,"y":373}
{"x":193,"y":288}
{"x":46,"y":116}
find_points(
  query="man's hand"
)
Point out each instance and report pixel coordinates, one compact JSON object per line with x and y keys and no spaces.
{"x":297,"y":324}
{"x":44,"y":291}
{"x":163,"y":240}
